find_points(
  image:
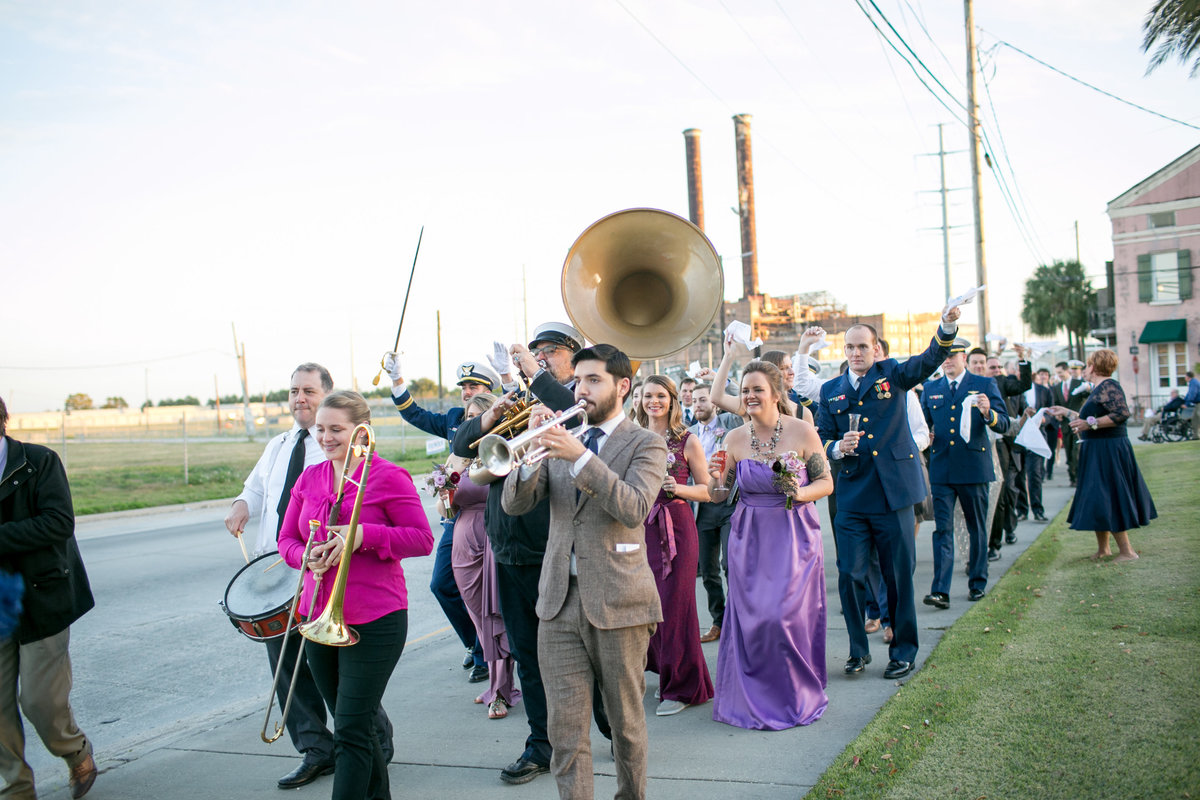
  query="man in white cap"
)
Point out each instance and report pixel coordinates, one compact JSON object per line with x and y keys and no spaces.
{"x":473,"y":377}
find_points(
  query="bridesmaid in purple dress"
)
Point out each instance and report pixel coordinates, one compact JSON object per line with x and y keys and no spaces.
{"x":771,"y":662}
{"x":673,"y":550}
{"x":475,"y":573}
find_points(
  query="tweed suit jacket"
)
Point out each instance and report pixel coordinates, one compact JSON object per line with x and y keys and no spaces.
{"x":616,"y":487}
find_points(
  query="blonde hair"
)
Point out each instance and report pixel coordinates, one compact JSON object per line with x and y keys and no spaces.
{"x":351,"y":402}
{"x":1104,"y":362}
{"x":483,"y":401}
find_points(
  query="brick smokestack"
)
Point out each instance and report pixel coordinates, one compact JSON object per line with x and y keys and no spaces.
{"x":745,"y":174}
{"x":691,"y":140}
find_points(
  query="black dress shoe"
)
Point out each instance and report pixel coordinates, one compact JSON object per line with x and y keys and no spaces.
{"x":975,"y":594}
{"x":1040,"y":517}
{"x":856,"y":664}
{"x":522,"y":771}
{"x":478,"y":674}
{"x":937,"y":599}
{"x":304,"y":774}
{"x":1010,"y":537}
{"x":897,"y":669}
{"x":993,"y":554}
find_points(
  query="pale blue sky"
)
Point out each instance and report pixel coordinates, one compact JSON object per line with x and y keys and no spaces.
{"x":167,"y":168}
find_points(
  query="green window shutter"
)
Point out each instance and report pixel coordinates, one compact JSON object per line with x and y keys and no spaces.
{"x":1184,"y":260}
{"x":1145,"y":279}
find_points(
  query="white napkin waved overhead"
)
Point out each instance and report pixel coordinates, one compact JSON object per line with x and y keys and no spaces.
{"x":740,"y":332}
{"x":1031,"y":437}
{"x":965,"y":297}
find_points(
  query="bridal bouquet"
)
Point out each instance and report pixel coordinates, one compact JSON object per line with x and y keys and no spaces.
{"x":442,"y":478}
{"x":786,"y":467}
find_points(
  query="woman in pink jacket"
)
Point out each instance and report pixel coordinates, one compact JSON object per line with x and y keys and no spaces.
{"x":392,"y":526}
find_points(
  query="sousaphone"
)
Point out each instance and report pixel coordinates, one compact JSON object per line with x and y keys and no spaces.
{"x":643,"y":280}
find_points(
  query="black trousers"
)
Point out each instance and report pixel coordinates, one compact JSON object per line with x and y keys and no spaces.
{"x":1032,"y":477}
{"x":352,"y":681}
{"x":306,"y":719}
{"x":712,"y":529}
{"x":1005,"y":519}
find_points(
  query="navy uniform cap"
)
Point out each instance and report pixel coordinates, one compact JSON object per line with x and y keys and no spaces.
{"x":960,"y":346}
{"x":1075,"y":362}
{"x":477,"y":372}
{"x":557,"y":333}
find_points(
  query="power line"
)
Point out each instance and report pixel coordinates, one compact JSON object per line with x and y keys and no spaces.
{"x":1090,"y":86}
{"x":925,"y":67}
{"x":917,"y":74}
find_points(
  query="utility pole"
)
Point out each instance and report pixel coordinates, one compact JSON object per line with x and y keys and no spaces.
{"x":1078,"y":260}
{"x":976,"y":188}
{"x":441,"y":391}
{"x":240,"y":352}
{"x":944,"y":193}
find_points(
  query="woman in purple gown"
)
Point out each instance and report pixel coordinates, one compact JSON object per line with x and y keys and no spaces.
{"x":475,"y":573}
{"x":673,"y":550}
{"x":771,"y":662}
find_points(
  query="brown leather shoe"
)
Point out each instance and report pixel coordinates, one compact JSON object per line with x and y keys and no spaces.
{"x":713,"y":634}
{"x":83,"y":775}
{"x":887,"y":635}
{"x":872,"y":625}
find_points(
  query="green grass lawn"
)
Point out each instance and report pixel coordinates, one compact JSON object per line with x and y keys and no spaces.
{"x":1072,"y":679}
{"x":124,"y":475}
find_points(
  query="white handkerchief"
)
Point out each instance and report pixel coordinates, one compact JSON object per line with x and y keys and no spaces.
{"x":623,"y":547}
{"x":1031,"y":437}
{"x":693,"y":369}
{"x":995,"y":337}
{"x":965,"y":297}
{"x":965,"y":419}
{"x":1082,"y":388}
{"x":1037,"y":349}
{"x":740,"y":332}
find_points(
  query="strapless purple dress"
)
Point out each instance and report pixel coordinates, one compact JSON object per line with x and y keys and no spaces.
{"x":771,"y":662}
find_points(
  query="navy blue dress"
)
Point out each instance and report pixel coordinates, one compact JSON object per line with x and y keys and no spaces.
{"x":1110,"y":493}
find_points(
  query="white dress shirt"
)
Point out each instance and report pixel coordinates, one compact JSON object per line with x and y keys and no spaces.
{"x":265,"y":484}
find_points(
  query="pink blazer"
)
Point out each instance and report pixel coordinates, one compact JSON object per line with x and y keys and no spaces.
{"x":392,"y":525}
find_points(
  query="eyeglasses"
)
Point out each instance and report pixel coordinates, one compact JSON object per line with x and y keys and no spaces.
{"x":545,"y":350}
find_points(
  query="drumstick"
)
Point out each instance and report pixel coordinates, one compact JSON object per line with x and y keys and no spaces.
{"x":273,"y":566}
{"x":245,"y":555}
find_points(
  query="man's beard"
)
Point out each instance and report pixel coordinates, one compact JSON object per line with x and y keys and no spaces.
{"x":603,"y":408}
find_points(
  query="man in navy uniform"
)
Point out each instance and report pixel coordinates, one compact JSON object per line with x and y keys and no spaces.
{"x":879,"y":481}
{"x":960,"y":468}
{"x":474,"y":377}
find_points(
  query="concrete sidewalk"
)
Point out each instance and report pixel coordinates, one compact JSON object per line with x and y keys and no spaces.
{"x":446,"y":747}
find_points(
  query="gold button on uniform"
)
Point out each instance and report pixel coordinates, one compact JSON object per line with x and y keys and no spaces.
{"x":952,"y":443}
{"x":872,"y":436}
{"x":860,"y":402}
{"x":866,"y":419}
{"x":874,"y":452}
{"x":952,"y":430}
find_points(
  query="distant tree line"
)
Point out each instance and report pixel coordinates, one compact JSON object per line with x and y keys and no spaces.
{"x":421,"y":387}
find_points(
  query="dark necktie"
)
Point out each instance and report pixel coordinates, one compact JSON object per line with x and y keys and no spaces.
{"x":591,"y":440}
{"x":295,"y":467}
{"x":953,"y":387}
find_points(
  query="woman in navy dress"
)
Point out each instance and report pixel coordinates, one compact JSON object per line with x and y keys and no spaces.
{"x":1110,"y":495}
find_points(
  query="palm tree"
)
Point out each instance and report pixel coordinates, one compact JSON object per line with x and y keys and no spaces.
{"x":1058,"y":296}
{"x":1174,"y":26}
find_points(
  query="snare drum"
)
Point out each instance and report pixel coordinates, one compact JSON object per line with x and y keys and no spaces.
{"x":258,"y":599}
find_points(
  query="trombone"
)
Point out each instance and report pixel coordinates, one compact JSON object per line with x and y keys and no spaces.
{"x":330,"y":627}
{"x":500,"y":456}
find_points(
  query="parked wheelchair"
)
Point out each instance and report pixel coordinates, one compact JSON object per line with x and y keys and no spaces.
{"x":1174,"y":425}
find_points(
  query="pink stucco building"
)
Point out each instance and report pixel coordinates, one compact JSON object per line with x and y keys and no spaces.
{"x":1156,"y":245}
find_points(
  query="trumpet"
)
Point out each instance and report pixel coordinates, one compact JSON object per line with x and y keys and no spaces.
{"x":499,"y":456}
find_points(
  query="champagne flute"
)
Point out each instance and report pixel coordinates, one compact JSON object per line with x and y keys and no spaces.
{"x":854,"y":419}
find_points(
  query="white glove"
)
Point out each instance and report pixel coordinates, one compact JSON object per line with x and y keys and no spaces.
{"x":1082,"y":388}
{"x":499,"y":359}
{"x":391,"y":364}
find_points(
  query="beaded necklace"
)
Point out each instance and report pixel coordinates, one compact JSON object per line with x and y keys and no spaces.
{"x":765,"y":454}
